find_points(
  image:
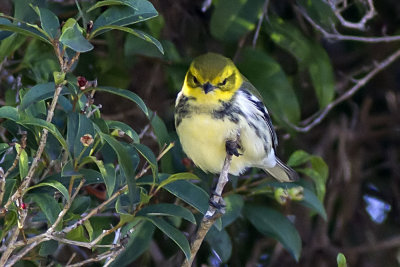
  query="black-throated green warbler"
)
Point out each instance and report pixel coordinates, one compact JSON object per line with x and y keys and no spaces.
{"x":216,"y":105}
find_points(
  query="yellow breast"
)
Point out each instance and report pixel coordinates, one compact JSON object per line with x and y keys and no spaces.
{"x":203,"y":140}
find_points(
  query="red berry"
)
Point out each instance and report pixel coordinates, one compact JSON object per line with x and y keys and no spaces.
{"x":23,"y":205}
{"x":82,"y":81}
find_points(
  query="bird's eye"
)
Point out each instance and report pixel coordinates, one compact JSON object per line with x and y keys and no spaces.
{"x":195,"y":80}
{"x":223,"y":82}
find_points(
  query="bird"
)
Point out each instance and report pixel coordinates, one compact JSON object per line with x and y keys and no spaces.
{"x":219,"y":111}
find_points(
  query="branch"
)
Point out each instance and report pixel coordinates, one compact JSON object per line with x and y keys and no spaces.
{"x":14,"y":259}
{"x":340,"y":37}
{"x":260,"y":20}
{"x":212,"y":213}
{"x":13,"y":166}
{"x":100,"y":257}
{"x":25,"y":184}
{"x":353,"y":25}
{"x":320,"y":115}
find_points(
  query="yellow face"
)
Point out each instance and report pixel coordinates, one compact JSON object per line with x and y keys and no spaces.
{"x":211,"y":78}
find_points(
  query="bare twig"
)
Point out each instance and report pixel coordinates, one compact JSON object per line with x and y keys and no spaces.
{"x":260,"y":20}
{"x":353,"y":25}
{"x":13,"y":166}
{"x":340,"y":37}
{"x":95,"y":210}
{"x":25,"y":184}
{"x":212,"y":213}
{"x":100,"y":257}
{"x":319,"y":116}
{"x":6,"y":254}
{"x":14,"y":259}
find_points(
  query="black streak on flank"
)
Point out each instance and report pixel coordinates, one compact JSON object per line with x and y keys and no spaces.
{"x":260,"y":106}
{"x":182,"y":109}
{"x":228,"y":110}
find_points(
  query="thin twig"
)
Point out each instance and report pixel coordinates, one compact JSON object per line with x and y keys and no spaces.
{"x":341,"y":37}
{"x":14,"y":259}
{"x":100,"y":257}
{"x":353,"y":25}
{"x":13,"y":166}
{"x":212,"y":213}
{"x":6,"y":254}
{"x":260,"y":20}
{"x":25,"y":184}
{"x":320,"y":115}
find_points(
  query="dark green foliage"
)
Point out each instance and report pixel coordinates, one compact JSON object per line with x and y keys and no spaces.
{"x":112,"y":173}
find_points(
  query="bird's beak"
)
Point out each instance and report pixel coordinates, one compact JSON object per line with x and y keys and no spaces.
{"x":208,"y":87}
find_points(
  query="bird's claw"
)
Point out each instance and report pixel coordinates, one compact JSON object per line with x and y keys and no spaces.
{"x":218,"y":203}
{"x":232,"y":148}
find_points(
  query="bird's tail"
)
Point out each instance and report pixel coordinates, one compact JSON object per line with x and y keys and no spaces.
{"x":282,"y":172}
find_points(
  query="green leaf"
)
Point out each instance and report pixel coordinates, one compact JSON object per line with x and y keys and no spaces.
{"x":24,"y":29}
{"x":89,"y":229}
{"x":126,"y":15}
{"x":232,"y":19}
{"x":311,"y":200}
{"x":23,"y":161}
{"x":320,"y":12}
{"x":321,"y":72}
{"x":131,"y":3}
{"x":321,"y":167}
{"x":272,"y":223}
{"x":140,"y":34}
{"x":80,"y":125}
{"x":77,"y":234}
{"x":234,"y":205}
{"x":220,"y":242}
{"x":309,"y":55}
{"x":107,"y":172}
{"x":125,"y":162}
{"x":341,"y":260}
{"x":48,"y":248}
{"x":318,"y":181}
{"x":9,"y":45}
{"x":48,"y":205}
{"x":55,"y":184}
{"x":10,"y":185}
{"x":160,"y":130}
{"x":165,"y":209}
{"x":268,"y":77}
{"x":27,"y":120}
{"x":299,"y":157}
{"x":10,"y":113}
{"x":10,"y":220}
{"x":138,"y":243}
{"x":126,"y":94}
{"x":80,"y":204}
{"x":40,"y":92}
{"x":73,"y":38}
{"x":177,"y":177}
{"x":59,"y":77}
{"x":125,"y":128}
{"x":190,"y":193}
{"x":49,"y":22}
{"x":148,"y":156}
{"x":172,"y":233}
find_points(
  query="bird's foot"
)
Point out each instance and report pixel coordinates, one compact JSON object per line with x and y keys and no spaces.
{"x":232,"y":147}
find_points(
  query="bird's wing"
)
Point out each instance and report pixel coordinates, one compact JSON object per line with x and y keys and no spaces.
{"x":254,"y":96}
